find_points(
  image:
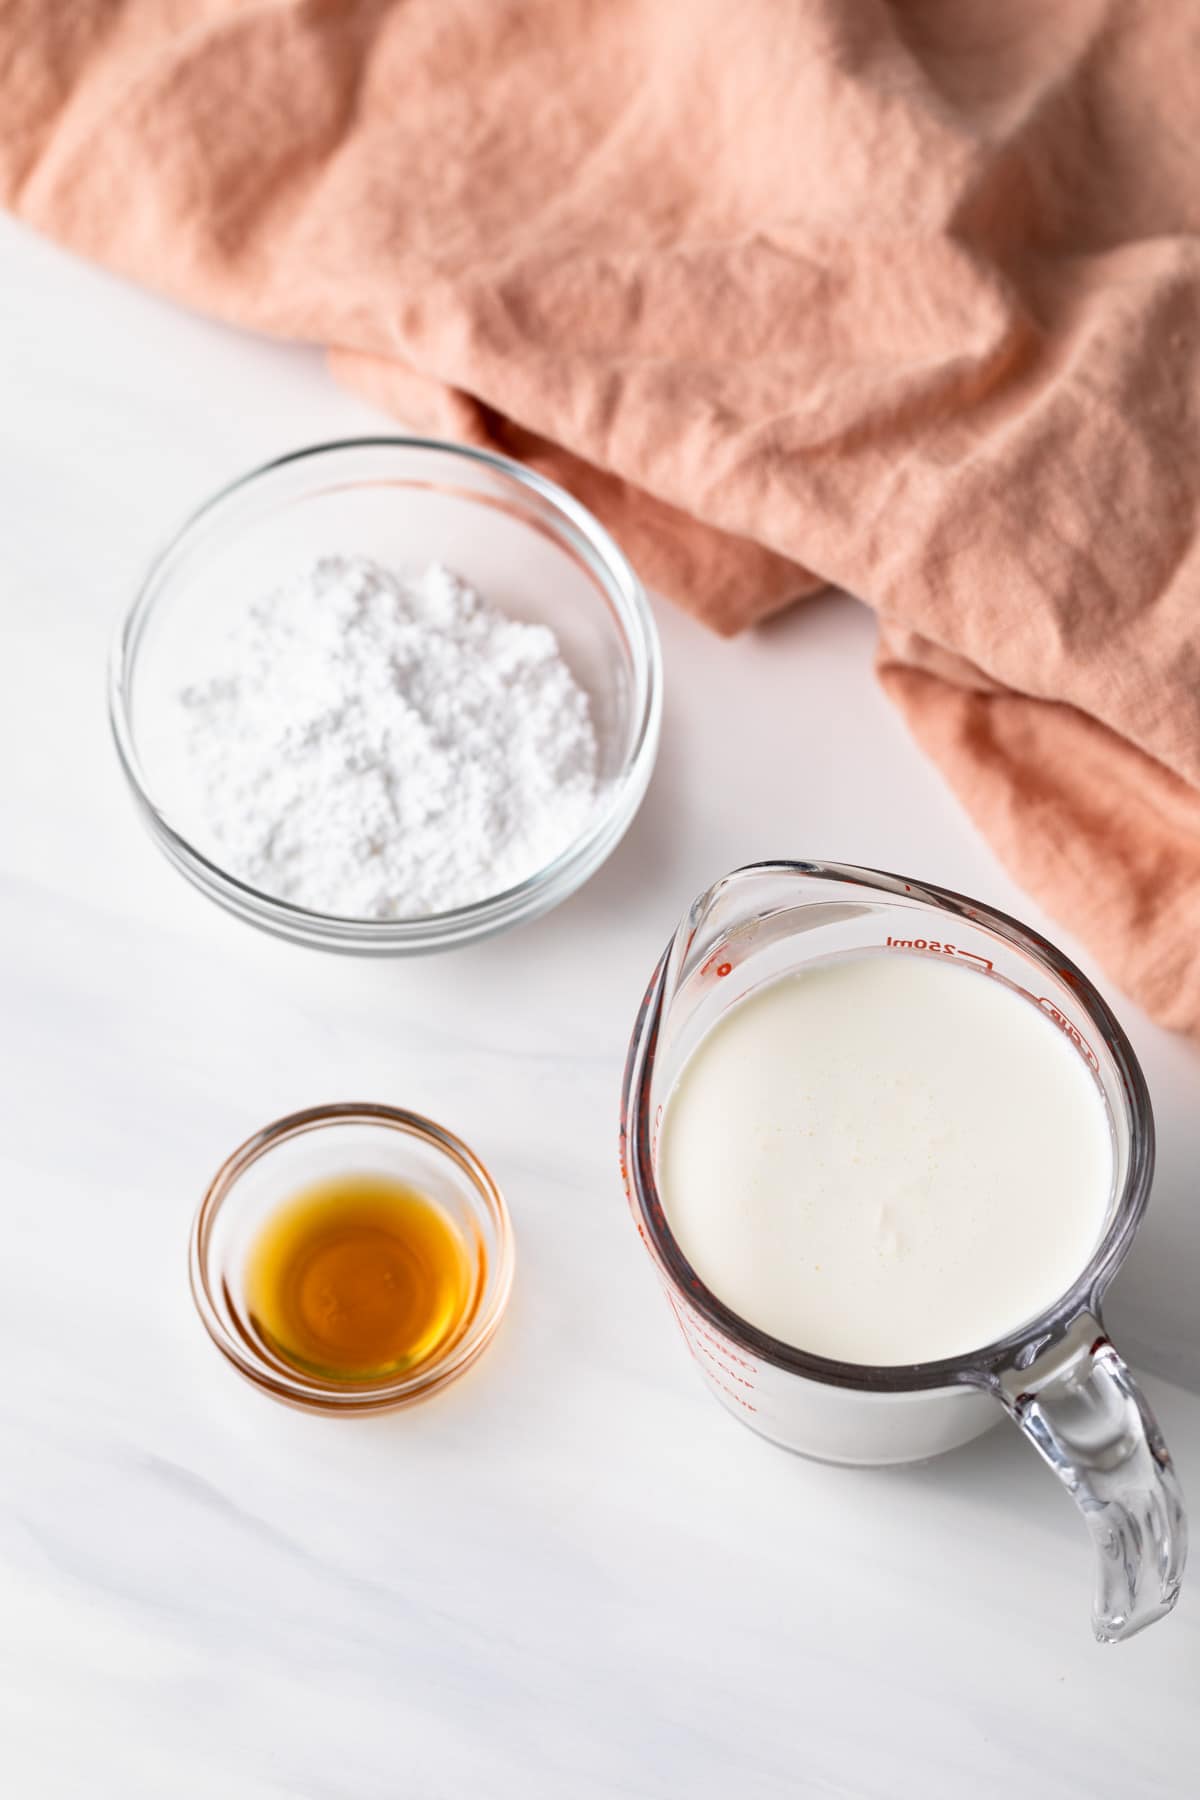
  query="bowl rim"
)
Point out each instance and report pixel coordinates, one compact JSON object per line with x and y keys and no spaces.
{"x":604,"y":560}
{"x":310,"y":1393}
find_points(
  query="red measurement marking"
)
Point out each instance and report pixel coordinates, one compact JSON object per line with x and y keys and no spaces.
{"x":721,"y":1345}
{"x":1064,"y":1025}
{"x":718,"y":1364}
{"x":733,"y":1395}
{"x":722,"y":968}
{"x":625,"y":1178}
{"x":936,"y":947}
{"x":976,"y":958}
{"x":683,"y":1324}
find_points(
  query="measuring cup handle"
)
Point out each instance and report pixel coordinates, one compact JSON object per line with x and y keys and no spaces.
{"x":1082,"y":1410}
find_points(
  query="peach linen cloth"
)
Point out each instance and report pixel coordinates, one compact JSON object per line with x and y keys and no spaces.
{"x":899,"y":297}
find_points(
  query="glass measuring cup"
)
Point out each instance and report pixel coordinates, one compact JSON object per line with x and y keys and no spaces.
{"x":1057,"y":1376}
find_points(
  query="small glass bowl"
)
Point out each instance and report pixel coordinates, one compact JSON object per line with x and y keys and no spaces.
{"x":530,"y":548}
{"x":288,"y":1156}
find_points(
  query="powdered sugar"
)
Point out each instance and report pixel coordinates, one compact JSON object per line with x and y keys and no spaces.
{"x":378,"y":746}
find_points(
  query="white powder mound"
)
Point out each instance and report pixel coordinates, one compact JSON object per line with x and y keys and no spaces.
{"x":383,"y":747}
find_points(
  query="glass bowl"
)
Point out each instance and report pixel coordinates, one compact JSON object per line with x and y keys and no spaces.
{"x":406,"y":502}
{"x":289,"y":1156}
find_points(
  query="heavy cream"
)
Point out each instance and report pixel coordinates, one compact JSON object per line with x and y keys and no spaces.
{"x":886,"y":1158}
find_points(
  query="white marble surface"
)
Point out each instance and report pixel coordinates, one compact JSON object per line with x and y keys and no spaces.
{"x":571,"y":1574}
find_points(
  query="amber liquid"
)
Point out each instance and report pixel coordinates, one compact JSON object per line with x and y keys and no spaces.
{"x":359,"y":1277}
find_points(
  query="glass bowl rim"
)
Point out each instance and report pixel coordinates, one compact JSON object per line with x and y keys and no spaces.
{"x":547,"y":886}
{"x":401,"y":1390}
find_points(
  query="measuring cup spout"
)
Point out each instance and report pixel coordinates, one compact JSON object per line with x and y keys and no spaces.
{"x":710,"y":918}
{"x":745,"y":911}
